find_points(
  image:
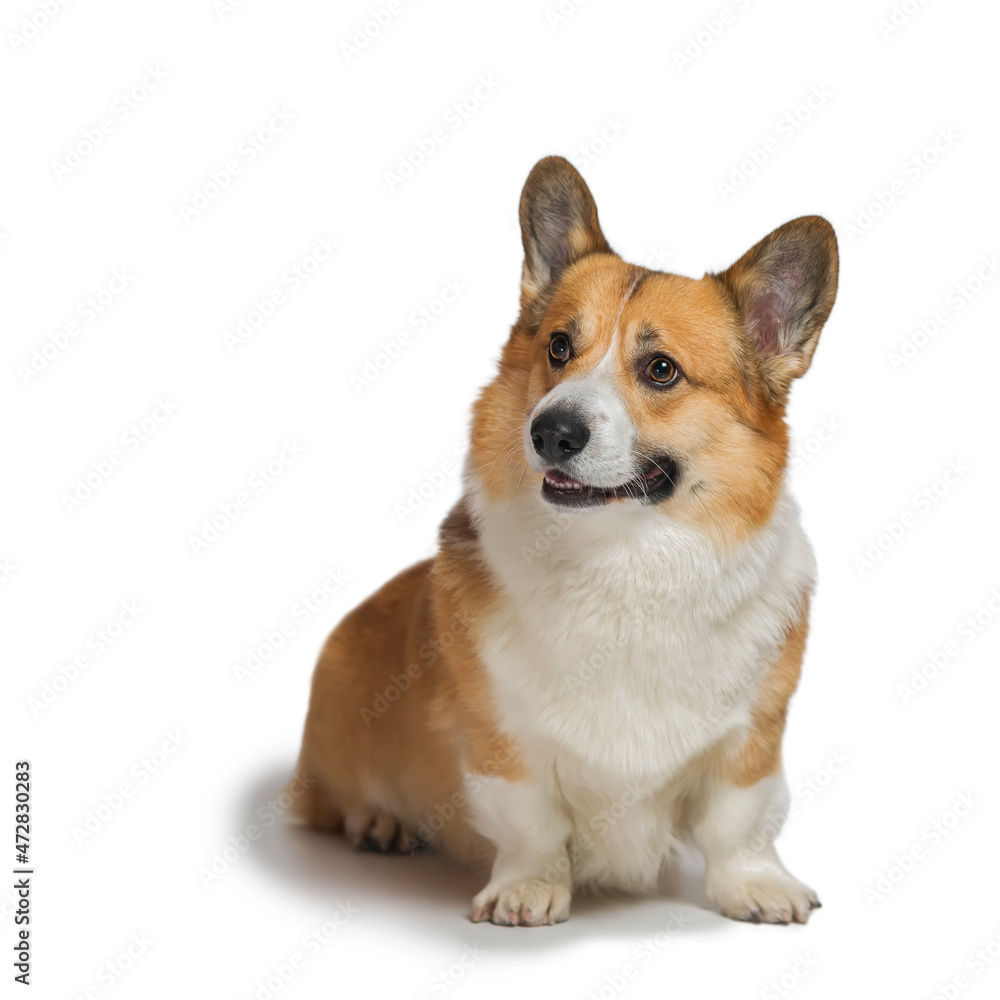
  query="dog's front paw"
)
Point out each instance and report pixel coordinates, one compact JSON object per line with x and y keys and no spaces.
{"x":764,"y":898}
{"x":526,"y":902}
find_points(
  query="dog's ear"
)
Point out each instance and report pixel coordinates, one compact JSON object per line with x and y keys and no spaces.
{"x":558,"y":225}
{"x":784,"y":289}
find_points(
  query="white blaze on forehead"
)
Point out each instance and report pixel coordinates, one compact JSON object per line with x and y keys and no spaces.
{"x":608,"y":459}
{"x":629,"y":292}
{"x":608,"y":358}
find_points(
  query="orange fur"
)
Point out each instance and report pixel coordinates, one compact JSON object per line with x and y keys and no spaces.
{"x":725,"y":421}
{"x":407,"y":759}
{"x":720,"y":418}
{"x":759,"y":753}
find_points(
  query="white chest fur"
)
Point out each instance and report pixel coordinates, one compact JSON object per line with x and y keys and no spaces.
{"x":629,"y":641}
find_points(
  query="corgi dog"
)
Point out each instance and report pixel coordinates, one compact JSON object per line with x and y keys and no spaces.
{"x":595,"y":667}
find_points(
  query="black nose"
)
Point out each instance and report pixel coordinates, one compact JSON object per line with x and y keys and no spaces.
{"x":558,"y":434}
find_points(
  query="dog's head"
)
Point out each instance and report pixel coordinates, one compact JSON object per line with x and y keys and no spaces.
{"x":626,"y":386}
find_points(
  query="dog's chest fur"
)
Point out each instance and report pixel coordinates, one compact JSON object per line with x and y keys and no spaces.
{"x":627,"y":644}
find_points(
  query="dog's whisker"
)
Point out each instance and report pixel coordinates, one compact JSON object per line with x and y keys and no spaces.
{"x":657,"y":464}
{"x":516,"y":488}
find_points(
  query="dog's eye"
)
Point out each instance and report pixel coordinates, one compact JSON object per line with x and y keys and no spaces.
{"x":559,"y":348}
{"x":662,"y":371}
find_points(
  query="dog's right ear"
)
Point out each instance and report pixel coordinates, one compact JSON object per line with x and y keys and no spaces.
{"x":558,"y":225}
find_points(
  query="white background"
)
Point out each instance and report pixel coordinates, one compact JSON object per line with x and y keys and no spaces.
{"x":654,"y":139}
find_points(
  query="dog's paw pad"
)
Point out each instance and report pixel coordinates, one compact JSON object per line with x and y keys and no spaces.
{"x":527,"y":902}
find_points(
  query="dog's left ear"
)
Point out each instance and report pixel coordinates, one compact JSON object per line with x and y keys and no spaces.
{"x":558,"y":225}
{"x":784,"y":289}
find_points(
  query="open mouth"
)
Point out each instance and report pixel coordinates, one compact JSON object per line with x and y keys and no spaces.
{"x":651,"y":485}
